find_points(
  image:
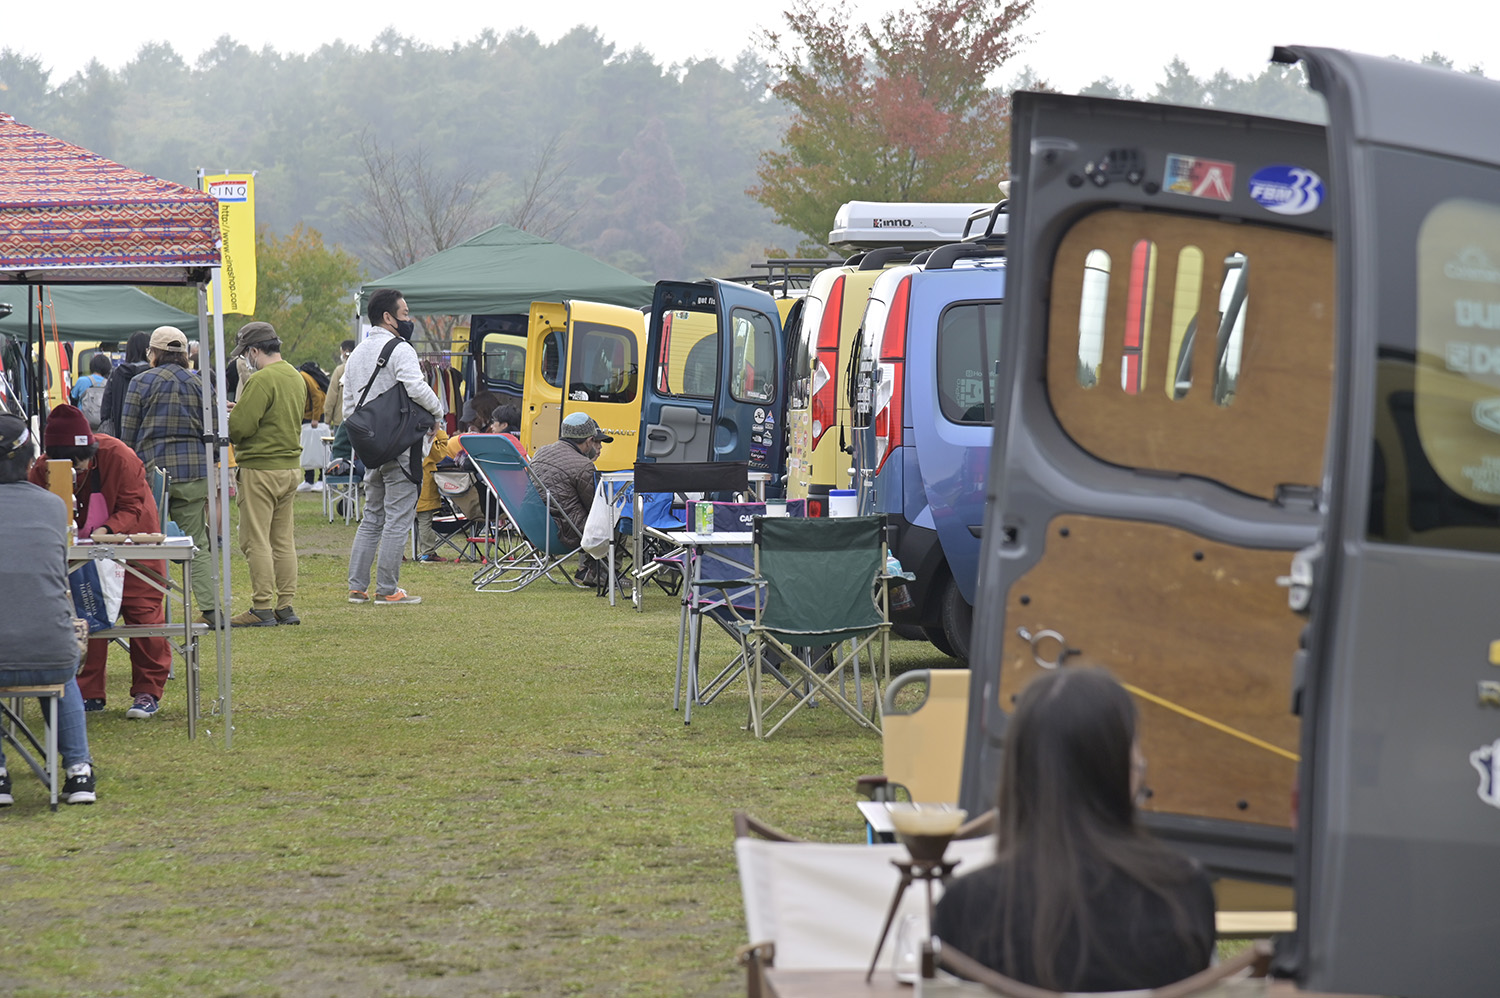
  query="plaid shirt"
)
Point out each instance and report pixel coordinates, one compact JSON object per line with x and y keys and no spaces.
{"x":163,"y":421}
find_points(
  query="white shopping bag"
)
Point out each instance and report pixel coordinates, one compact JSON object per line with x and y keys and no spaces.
{"x":599,"y":529}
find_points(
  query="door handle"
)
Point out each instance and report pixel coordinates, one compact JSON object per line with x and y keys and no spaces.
{"x":1048,"y":635}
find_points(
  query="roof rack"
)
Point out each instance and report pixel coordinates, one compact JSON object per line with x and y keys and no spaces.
{"x":784,"y":275}
{"x":944,"y":257}
{"x":996,"y":217}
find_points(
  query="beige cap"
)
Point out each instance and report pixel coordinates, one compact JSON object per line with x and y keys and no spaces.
{"x":169,"y":339}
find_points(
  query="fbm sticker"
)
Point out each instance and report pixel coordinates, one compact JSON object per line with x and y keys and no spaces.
{"x":1199,"y":178}
{"x":1287,"y":190}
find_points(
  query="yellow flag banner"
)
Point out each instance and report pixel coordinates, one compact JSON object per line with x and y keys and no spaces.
{"x":236,"y":195}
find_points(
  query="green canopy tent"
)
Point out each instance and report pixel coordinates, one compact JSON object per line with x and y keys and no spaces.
{"x":502,"y":271}
{"x":93,"y":312}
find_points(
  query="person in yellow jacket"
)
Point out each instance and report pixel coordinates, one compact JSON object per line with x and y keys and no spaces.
{"x":430,"y":500}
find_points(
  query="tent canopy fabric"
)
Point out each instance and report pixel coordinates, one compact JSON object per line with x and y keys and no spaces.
{"x":97,"y":312}
{"x":70,"y":215}
{"x":502,"y":271}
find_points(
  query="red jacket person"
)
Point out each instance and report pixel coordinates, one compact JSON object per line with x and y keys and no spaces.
{"x":106,"y":468}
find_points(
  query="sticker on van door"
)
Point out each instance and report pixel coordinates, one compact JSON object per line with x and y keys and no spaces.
{"x":1486,"y":759}
{"x":1287,"y":190}
{"x":1199,"y":178}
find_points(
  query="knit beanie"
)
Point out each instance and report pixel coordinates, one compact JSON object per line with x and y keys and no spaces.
{"x":67,"y":426}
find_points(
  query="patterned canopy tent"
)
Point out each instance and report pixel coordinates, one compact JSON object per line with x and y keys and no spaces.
{"x":70,"y":216}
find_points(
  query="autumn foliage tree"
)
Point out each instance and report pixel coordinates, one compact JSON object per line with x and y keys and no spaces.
{"x":902,"y":111}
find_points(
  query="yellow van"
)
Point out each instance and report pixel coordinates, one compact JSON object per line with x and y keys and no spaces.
{"x":819,"y":436}
{"x":584,"y":356}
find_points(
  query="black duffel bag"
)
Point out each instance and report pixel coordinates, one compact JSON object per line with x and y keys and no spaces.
{"x":390,"y":425}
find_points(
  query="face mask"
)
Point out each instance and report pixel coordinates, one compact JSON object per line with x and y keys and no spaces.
{"x":404,"y":328}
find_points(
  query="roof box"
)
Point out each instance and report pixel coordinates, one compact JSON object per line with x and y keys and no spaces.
{"x":902,"y":223}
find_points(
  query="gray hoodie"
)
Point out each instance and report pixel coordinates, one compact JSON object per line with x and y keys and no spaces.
{"x":403,"y":367}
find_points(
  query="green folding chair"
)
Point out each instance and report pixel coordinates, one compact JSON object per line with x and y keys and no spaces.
{"x":823,"y":607}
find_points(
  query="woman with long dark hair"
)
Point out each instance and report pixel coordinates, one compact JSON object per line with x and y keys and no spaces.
{"x":119,"y":379}
{"x":1081,"y":897}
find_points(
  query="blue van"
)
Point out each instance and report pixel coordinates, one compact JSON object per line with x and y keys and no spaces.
{"x":922,"y":412}
{"x":715,"y":360}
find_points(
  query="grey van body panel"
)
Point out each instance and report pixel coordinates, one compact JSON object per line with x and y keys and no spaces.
{"x":1045,"y":473}
{"x":1398,"y":857}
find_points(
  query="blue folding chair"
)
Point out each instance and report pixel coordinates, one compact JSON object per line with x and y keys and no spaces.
{"x":722,"y":591}
{"x":537,"y":549}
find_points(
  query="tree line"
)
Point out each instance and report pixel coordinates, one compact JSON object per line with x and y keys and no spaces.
{"x":371,"y":157}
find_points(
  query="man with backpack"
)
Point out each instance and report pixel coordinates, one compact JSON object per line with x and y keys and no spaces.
{"x":88,"y":392}
{"x":162,"y":421}
{"x":385,"y":362}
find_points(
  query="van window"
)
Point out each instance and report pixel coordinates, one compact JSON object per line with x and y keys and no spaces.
{"x":552,"y":354}
{"x":604,"y":364}
{"x":753,"y":357}
{"x":689,"y":364}
{"x":504,"y":358}
{"x":803,"y":346}
{"x":1140,"y":375}
{"x":1436,"y":475}
{"x":968,"y":344}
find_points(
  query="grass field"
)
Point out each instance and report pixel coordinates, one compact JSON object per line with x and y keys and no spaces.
{"x":484,"y":794}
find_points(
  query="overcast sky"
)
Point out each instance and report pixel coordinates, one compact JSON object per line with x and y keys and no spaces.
{"x":1074,"y":42}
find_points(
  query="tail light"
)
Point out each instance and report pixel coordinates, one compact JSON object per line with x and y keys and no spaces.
{"x":826,"y":362}
{"x":886,"y":405}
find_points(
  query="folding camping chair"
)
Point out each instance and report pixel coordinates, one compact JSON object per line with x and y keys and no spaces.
{"x":526,"y":505}
{"x":723,"y":591}
{"x":452,"y":525}
{"x":343,"y":481}
{"x":821,"y":905}
{"x":822,"y":580}
{"x":663,"y":487}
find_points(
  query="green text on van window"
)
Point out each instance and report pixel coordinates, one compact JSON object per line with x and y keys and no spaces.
{"x":968,"y":346}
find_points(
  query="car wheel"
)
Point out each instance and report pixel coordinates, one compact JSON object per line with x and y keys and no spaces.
{"x":909,"y":632}
{"x":958,"y":622}
{"x":939,"y":640}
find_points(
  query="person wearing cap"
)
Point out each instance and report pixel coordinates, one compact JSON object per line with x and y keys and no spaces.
{"x":265,"y":427}
{"x":37,"y":642}
{"x":390,"y":497}
{"x":162,"y":421}
{"x":109,"y":480}
{"x":565,"y":468}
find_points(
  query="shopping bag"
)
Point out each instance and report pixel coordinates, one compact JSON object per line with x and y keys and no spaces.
{"x":88,"y":597}
{"x":112,"y":581}
{"x":599,"y":528}
{"x":314,"y":450}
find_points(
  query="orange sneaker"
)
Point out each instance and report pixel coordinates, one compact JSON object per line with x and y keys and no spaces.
{"x":399,"y":596}
{"x":358,"y":596}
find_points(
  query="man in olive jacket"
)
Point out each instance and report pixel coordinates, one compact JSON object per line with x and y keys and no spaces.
{"x":265,"y":426}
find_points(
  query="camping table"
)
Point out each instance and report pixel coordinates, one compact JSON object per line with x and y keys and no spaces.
{"x":757,"y":478}
{"x":694,"y":543}
{"x":189,"y":632}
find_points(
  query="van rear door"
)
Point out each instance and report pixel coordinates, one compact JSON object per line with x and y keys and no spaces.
{"x":603,"y":375}
{"x":715,"y":363}
{"x":1398,"y":844}
{"x":1168,"y":350}
{"x":546,"y":357}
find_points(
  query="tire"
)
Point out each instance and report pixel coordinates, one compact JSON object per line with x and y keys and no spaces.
{"x":939,"y":640}
{"x":909,"y":632}
{"x":958,"y":622}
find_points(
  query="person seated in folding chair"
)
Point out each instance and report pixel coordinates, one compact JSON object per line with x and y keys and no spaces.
{"x":430,"y":500}
{"x":38,"y":646}
{"x":565,"y":468}
{"x":1080,"y":897}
